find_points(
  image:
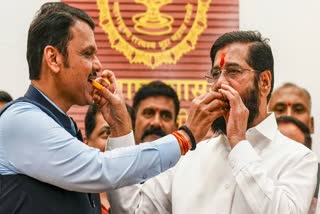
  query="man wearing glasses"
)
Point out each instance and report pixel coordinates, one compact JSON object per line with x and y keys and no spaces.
{"x":250,"y":167}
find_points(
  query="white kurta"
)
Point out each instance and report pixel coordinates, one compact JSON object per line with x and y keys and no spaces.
{"x":267,"y":173}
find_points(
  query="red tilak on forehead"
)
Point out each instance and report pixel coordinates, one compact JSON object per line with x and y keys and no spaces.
{"x":289,"y":104}
{"x":222,"y":59}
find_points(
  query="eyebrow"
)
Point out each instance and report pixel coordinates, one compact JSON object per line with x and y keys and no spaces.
{"x":228,"y":64}
{"x":89,"y":48}
{"x":286,"y":103}
{"x":166,"y":112}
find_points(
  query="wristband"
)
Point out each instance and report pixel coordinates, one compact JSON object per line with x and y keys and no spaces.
{"x":189,"y":133}
{"x":183,"y":143}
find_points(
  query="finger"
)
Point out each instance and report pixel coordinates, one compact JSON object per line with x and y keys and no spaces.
{"x":217,"y":113}
{"x":96,"y":98}
{"x":111,"y":78}
{"x":217,"y":105}
{"x":201,"y":97}
{"x":214,"y":95}
{"x":210,"y":96}
{"x":107,"y":96}
{"x":109,"y":75}
{"x":232,"y":95}
{"x":229,"y":88}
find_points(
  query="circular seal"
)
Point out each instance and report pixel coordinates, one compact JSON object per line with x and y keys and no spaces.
{"x":153,"y":32}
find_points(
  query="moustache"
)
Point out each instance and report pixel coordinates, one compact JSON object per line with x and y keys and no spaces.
{"x":153,"y":131}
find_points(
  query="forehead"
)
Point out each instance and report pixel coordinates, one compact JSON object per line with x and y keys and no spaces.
{"x":100,"y":119}
{"x":290,"y":95}
{"x":82,"y":35}
{"x":157,"y":102}
{"x":233,"y":53}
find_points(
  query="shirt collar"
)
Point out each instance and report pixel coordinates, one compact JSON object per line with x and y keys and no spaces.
{"x":258,"y":136}
{"x":268,"y":127}
{"x":47,"y":98}
{"x":263,"y":133}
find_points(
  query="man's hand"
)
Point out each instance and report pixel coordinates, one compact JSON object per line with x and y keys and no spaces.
{"x":112,"y":105}
{"x":203,"y":110}
{"x":237,"y":117}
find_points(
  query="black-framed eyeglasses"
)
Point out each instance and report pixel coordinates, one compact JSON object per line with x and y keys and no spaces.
{"x":214,"y":74}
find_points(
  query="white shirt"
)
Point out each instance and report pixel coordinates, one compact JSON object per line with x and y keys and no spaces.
{"x":267,"y":173}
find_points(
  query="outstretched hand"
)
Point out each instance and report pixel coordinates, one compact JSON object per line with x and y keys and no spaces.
{"x":112,"y":105}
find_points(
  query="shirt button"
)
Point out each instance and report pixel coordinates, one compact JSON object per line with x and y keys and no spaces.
{"x":144,"y":176}
{"x":170,"y":164}
{"x":232,"y":163}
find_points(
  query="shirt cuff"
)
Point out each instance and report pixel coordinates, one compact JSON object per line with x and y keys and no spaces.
{"x":241,"y":156}
{"x":122,"y":141}
{"x":169,"y":151}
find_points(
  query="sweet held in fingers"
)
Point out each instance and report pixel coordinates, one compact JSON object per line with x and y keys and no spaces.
{"x":95,"y":84}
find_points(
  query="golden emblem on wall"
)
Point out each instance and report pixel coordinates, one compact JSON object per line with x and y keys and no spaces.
{"x":152,"y":22}
{"x":146,"y":32}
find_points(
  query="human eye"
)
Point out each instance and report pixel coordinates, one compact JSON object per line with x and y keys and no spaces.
{"x":148,"y":113}
{"x":89,"y":52}
{"x":215,"y":73}
{"x":166,"y":115}
{"x":105,"y":132}
{"x":299,"y":108}
{"x":233,"y":72}
{"x":279,"y":108}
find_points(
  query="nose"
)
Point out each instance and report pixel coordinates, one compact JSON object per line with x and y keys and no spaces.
{"x":97,"y":64}
{"x":156,"y":122}
{"x":221,"y":80}
{"x":289,"y":111}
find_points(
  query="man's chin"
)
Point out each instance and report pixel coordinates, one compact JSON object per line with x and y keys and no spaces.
{"x":150,"y":138}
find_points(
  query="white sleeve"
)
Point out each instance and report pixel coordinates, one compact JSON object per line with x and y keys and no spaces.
{"x":291,"y":193}
{"x":153,"y":196}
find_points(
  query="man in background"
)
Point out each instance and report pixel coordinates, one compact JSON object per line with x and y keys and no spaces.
{"x":292,"y":100}
{"x":4,"y":98}
{"x":157,"y":107}
{"x":292,"y":106}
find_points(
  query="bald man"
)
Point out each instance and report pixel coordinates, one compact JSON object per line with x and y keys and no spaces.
{"x":292,"y":100}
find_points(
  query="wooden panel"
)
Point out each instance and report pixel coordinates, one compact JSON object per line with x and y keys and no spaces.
{"x":222,"y":16}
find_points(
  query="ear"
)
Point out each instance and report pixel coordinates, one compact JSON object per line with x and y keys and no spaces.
{"x":265,"y":82}
{"x":311,"y":125}
{"x":53,"y":58}
{"x":85,"y":140}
